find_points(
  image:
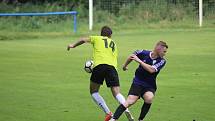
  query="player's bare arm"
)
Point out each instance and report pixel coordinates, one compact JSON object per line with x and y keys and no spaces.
{"x":125,"y":66}
{"x":80,"y":42}
{"x":148,"y":67}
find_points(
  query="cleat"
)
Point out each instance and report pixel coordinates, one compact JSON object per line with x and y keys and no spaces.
{"x":129,"y":116}
{"x":108,"y":116}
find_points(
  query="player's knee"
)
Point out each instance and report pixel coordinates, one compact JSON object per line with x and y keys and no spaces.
{"x":148,"y":100}
{"x":115,"y":91}
{"x":130,"y":102}
{"x":148,"y":97}
{"x":93,"y":91}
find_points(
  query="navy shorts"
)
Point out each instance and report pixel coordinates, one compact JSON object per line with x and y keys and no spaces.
{"x":139,"y":90}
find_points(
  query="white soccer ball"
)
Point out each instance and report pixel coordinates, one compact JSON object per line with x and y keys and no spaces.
{"x":88,"y":66}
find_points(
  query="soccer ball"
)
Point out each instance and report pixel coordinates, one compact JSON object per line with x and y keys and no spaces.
{"x":88,"y":67}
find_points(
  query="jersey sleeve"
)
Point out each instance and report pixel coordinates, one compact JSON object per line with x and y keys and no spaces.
{"x":92,"y":39}
{"x":159,"y":65}
{"x":140,"y":53}
{"x":137,"y":52}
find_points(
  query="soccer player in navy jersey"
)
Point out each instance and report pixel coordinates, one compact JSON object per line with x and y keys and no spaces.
{"x":144,"y":82}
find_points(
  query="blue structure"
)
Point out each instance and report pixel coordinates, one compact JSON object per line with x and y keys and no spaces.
{"x":74,"y":13}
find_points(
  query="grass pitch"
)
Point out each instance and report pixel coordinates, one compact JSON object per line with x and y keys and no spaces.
{"x":41,"y":81}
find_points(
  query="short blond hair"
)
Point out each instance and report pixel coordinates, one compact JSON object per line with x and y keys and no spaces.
{"x":162,"y":43}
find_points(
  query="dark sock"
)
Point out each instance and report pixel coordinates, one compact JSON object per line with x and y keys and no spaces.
{"x":144,"y":110}
{"x":119,"y":111}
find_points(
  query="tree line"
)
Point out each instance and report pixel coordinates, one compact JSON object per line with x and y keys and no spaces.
{"x":114,"y":6}
{"x":85,"y":2}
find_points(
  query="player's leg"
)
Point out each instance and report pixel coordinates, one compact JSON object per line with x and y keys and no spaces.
{"x":133,"y":95}
{"x":98,"y":99}
{"x":148,"y":97}
{"x":97,"y":79}
{"x":112,"y":81}
{"x":121,"y":99}
{"x":122,"y":107}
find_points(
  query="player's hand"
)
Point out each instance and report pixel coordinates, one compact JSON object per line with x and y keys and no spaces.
{"x":70,"y":46}
{"x":124,"y":68}
{"x":134,"y":57}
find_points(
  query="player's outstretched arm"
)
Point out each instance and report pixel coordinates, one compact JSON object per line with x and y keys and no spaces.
{"x":80,"y":42}
{"x":128,"y":60}
{"x":147,"y":67}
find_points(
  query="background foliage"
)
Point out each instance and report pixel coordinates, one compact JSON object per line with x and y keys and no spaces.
{"x":117,"y":13}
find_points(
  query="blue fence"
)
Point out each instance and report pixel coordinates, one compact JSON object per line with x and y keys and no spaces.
{"x":73,"y":13}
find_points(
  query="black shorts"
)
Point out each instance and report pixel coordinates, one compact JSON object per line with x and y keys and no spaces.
{"x":105,"y":72}
{"x":139,"y":90}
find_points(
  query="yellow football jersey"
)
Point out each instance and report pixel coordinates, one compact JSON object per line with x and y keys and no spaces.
{"x":104,"y":50}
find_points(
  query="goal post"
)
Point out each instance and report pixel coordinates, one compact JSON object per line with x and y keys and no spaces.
{"x":90,"y":14}
{"x":200,"y":13}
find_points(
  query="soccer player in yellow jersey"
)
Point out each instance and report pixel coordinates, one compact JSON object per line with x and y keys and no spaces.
{"x":105,"y":65}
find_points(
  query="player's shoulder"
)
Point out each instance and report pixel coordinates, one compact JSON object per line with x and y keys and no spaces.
{"x":161,"y":60}
{"x":94,"y":39}
{"x":144,"y":52}
{"x":164,"y":60}
{"x":97,"y":37}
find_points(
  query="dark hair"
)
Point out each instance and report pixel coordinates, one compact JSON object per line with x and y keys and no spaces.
{"x":106,"y":31}
{"x":162,"y":43}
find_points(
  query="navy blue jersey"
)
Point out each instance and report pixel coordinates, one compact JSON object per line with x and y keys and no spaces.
{"x":142,"y":76}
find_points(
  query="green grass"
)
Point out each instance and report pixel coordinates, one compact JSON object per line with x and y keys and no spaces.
{"x":41,"y":81}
